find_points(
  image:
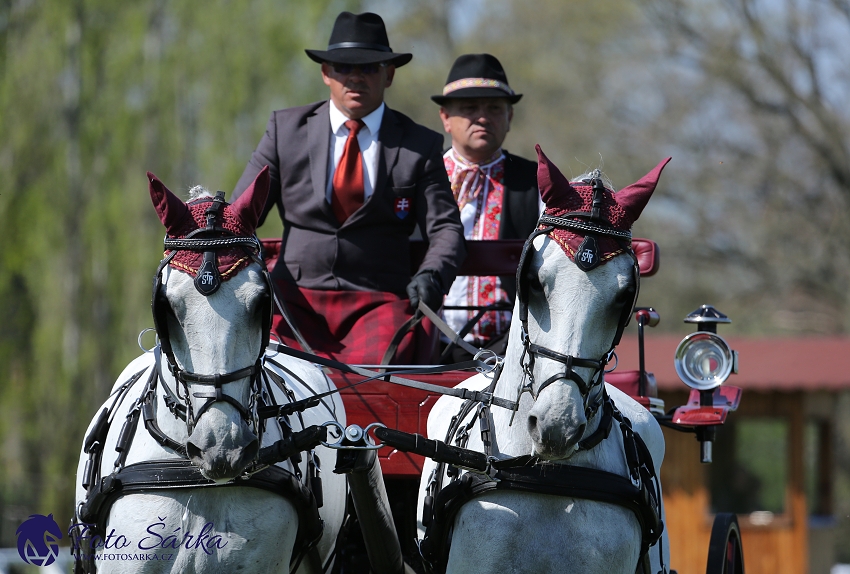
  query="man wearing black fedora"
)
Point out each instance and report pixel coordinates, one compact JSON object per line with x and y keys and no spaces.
{"x":496,"y":191}
{"x":351,"y":180}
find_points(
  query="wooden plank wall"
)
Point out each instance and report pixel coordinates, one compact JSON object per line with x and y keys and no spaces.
{"x":776,"y":548}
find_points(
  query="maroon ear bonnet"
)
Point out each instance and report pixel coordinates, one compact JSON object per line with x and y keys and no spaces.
{"x":619,"y":210}
{"x":180,"y":219}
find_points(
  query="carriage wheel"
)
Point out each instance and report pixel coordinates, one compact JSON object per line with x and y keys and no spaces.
{"x":725,"y":553}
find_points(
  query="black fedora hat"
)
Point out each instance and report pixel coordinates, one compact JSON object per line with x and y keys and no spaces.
{"x":477,"y":76}
{"x":359,"y":39}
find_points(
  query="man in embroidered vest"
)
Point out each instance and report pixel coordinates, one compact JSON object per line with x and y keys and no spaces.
{"x":351,"y":180}
{"x":496,"y":191}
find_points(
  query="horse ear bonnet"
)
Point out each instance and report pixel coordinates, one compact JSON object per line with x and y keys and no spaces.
{"x":171,"y":210}
{"x":180,"y":219}
{"x":209,"y":218}
{"x":249,"y":206}
{"x":618,"y":210}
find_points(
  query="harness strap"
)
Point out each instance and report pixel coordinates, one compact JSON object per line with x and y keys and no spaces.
{"x":455,"y":338}
{"x":408,"y":325}
{"x":181,"y":473}
{"x":156,"y":433}
{"x":437,"y":450}
{"x":555,"y":479}
{"x":477,"y":396}
{"x":218,"y":379}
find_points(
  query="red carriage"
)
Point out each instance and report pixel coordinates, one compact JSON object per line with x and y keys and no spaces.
{"x":703,"y":361}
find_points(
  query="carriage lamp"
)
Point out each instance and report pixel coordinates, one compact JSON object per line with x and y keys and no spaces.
{"x":704,"y":361}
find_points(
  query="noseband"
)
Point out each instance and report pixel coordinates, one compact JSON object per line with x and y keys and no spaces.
{"x":587,"y":257}
{"x":208,"y":240}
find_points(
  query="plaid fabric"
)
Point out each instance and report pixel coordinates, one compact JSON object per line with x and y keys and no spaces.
{"x":354,"y":327}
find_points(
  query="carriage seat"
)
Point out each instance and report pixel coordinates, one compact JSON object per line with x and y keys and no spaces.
{"x":628,"y":382}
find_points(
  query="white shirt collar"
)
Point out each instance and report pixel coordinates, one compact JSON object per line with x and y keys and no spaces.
{"x":372,"y":121}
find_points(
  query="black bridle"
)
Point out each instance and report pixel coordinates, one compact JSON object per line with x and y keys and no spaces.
{"x":586,"y":258}
{"x":208,"y":240}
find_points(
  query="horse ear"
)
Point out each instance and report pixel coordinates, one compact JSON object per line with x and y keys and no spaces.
{"x":249,"y":206}
{"x":555,"y":189}
{"x":171,"y":209}
{"x":633,"y":198}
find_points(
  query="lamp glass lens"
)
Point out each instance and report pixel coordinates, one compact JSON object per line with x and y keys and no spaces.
{"x":703,"y":360}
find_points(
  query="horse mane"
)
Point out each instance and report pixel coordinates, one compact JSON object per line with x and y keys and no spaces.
{"x":594,"y":173}
{"x":199,"y":191}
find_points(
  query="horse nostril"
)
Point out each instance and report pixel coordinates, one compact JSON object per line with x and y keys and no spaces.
{"x":532,"y":422}
{"x":192,"y":451}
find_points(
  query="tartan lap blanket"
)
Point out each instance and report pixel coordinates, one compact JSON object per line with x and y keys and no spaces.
{"x":354,"y":327}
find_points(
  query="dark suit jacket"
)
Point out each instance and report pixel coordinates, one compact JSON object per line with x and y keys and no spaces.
{"x":520,"y":206}
{"x":369,"y":252}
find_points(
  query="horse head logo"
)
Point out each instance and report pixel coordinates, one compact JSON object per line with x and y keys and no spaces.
{"x":38,"y":540}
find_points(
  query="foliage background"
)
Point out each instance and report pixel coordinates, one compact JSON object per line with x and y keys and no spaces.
{"x":750,"y":97}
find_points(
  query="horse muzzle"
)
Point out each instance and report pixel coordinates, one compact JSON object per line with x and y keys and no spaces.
{"x":221,"y":444}
{"x":555,"y":430}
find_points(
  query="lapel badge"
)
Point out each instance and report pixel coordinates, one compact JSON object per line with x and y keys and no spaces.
{"x":402,"y":207}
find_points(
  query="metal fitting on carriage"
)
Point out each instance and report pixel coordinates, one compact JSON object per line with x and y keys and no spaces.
{"x":704,"y":361}
{"x":354,"y":437}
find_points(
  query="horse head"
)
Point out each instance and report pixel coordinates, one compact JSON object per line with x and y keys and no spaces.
{"x":577,"y":282}
{"x":211,"y":306}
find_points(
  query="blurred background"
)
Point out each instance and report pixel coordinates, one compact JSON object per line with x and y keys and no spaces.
{"x":750,"y":97}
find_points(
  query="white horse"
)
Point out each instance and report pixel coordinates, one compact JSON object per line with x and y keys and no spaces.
{"x":198,"y":408}
{"x":571,"y":312}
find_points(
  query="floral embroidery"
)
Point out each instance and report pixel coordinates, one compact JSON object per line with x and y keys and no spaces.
{"x":482,"y":185}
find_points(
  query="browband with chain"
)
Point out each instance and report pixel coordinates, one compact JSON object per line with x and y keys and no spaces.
{"x":586,"y":226}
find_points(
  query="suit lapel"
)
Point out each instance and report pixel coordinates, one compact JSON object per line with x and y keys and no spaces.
{"x":389,"y":140}
{"x":318,"y":143}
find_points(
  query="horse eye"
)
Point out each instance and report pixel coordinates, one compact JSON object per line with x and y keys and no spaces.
{"x":534,"y":282}
{"x":625,"y":296}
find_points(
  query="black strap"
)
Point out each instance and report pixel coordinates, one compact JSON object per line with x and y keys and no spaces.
{"x":455,"y":338}
{"x":433,"y":449}
{"x":408,"y":325}
{"x":218,"y":379}
{"x":181,"y":473}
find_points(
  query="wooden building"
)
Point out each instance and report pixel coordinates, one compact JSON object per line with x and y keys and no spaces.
{"x":773,"y":460}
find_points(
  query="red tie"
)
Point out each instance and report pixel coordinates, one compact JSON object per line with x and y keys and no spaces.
{"x":347,"y":195}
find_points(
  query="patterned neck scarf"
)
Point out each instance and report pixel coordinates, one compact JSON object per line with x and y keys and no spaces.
{"x":482,"y":185}
{"x":469,"y":180}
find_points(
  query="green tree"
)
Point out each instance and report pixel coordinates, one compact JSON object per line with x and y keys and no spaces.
{"x":93,"y":94}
